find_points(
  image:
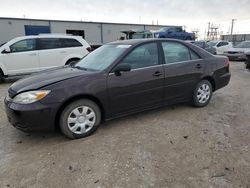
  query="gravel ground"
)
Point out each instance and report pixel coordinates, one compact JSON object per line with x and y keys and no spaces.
{"x":177,"y":146}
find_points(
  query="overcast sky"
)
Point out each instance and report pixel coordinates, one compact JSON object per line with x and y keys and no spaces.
{"x":191,"y":13}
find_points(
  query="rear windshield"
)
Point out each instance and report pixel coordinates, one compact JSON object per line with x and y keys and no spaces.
{"x":102,"y":57}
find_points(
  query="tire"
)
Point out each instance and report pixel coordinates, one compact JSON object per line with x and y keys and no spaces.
{"x":72,"y":62}
{"x":202,"y":94}
{"x":1,"y":76}
{"x":74,"y":120}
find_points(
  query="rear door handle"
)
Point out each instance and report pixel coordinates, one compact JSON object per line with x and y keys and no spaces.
{"x":63,"y":52}
{"x":198,"y":66}
{"x":157,"y":74}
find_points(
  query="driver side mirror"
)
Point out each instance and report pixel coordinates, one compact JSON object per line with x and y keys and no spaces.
{"x":6,"y":50}
{"x":124,"y":67}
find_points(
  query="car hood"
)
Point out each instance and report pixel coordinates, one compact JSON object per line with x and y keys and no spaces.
{"x":238,"y":49}
{"x":45,"y":78}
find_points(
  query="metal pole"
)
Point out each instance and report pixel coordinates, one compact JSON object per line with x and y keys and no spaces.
{"x":232,"y":26}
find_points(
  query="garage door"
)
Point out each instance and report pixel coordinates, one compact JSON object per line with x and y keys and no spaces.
{"x":35,"y":29}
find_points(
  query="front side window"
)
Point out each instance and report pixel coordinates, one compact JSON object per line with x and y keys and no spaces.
{"x":23,"y":46}
{"x":143,"y":56}
{"x":49,"y":43}
{"x":222,"y":44}
{"x":175,"y":52}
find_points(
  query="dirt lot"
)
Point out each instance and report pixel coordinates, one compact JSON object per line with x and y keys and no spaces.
{"x":177,"y":146}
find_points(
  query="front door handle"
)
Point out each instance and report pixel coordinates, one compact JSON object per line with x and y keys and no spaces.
{"x":198,"y":66}
{"x":157,"y":74}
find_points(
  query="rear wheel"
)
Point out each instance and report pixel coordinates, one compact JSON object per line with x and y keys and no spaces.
{"x":80,"y":119}
{"x":202,"y":94}
{"x":72,"y":62}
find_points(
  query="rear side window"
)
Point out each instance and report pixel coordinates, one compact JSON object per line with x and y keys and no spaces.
{"x":176,"y":52}
{"x":67,"y":43}
{"x":193,"y":55}
{"x":49,"y":43}
{"x":23,"y":46}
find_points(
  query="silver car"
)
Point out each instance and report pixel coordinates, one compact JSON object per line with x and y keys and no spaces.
{"x":239,"y":51}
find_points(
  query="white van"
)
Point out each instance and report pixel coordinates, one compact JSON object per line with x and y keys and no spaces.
{"x":25,"y":55}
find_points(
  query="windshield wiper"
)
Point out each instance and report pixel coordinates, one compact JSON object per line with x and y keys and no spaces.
{"x":80,"y":68}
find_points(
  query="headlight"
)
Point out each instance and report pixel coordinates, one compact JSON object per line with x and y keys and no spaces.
{"x":30,"y":96}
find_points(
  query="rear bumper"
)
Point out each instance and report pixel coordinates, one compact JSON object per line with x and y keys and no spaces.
{"x":223,"y":80}
{"x":32,"y":117}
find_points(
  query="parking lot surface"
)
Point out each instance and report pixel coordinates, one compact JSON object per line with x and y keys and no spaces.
{"x":177,"y":146}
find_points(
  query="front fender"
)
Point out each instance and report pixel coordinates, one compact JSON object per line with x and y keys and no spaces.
{"x":3,"y":68}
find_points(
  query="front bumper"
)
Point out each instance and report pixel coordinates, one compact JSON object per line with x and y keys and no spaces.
{"x":31,"y":117}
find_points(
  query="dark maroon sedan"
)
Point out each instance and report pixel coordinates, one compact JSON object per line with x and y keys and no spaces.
{"x":117,"y":79}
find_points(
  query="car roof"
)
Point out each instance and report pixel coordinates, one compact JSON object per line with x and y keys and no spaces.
{"x":141,"y":41}
{"x":47,"y":36}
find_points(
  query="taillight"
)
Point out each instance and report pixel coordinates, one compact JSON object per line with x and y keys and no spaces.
{"x":89,"y":49}
{"x":227,"y":62}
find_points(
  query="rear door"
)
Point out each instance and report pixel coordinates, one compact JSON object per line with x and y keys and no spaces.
{"x":23,"y":58}
{"x":51,"y":52}
{"x":140,"y":88}
{"x":183,"y":70}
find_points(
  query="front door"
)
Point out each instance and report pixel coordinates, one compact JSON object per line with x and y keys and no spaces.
{"x":23,"y":58}
{"x":140,"y":88}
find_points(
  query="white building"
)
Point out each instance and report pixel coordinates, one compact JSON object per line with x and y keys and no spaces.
{"x":92,"y":32}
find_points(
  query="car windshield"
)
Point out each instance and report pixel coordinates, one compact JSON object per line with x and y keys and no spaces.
{"x":212,"y":43}
{"x":138,"y":36}
{"x":102,"y":57}
{"x":164,"y":29}
{"x":245,"y":44}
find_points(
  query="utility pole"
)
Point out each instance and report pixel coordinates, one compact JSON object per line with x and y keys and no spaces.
{"x":232,"y":26}
{"x":208,"y":31}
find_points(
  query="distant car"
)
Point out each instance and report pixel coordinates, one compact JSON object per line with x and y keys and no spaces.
{"x":248,"y":60}
{"x":138,"y":34}
{"x":28,"y":54}
{"x":203,"y":44}
{"x":239,"y":51}
{"x":220,"y":46}
{"x":174,"y":33}
{"x":115,"y":80}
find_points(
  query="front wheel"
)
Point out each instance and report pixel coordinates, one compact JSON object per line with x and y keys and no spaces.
{"x":80,"y":119}
{"x":1,"y":76}
{"x":202,"y":94}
